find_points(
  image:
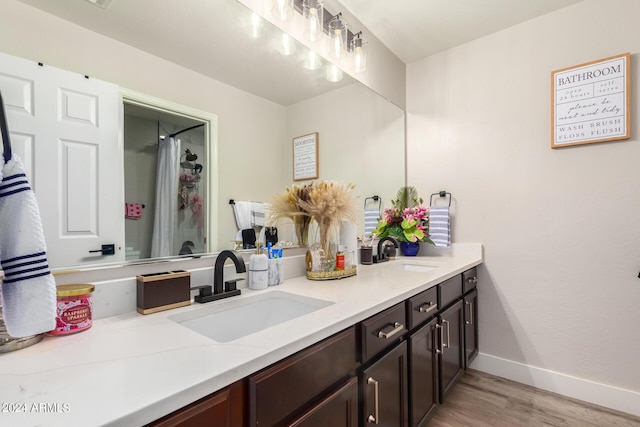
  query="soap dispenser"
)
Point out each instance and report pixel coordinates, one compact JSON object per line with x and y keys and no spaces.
{"x":258,"y":269}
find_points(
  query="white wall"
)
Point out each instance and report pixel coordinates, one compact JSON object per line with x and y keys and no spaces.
{"x":560,"y":227}
{"x":361,"y":141}
{"x":248,"y":126}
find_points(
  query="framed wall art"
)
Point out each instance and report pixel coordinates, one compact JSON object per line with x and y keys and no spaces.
{"x":590,"y":102}
{"x":305,"y":157}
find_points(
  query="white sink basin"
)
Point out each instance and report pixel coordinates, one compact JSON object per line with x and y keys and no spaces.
{"x":417,"y":266}
{"x":231,"y":319}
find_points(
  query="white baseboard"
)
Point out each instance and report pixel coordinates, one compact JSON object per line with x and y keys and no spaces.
{"x":599,"y":394}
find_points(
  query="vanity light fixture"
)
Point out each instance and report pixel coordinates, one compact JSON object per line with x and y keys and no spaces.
{"x":334,"y":73}
{"x":312,"y":12}
{"x":312,"y":61}
{"x":359,"y":53}
{"x":338,"y":35}
{"x":287,"y":45}
{"x":282,"y":9}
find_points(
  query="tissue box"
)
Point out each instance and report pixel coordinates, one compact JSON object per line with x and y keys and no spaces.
{"x":163,"y":291}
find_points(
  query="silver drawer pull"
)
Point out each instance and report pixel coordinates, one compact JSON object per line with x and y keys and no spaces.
{"x":472,"y":280}
{"x":397,"y":327}
{"x":430,"y":306}
{"x":470,"y":321}
{"x":373,"y":418}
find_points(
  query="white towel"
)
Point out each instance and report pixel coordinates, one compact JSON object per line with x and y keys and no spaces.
{"x":242,"y":211}
{"x":439,"y":230}
{"x":28,"y":289}
{"x":371,"y":217}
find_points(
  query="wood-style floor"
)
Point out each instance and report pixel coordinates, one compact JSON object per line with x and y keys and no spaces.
{"x":480,"y":399}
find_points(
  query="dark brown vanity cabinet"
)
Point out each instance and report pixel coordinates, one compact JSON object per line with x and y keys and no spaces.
{"x":384,"y":386}
{"x":224,"y":408}
{"x":469,"y":283}
{"x":451,"y":357}
{"x":423,"y":367}
{"x":303,"y":389}
{"x":384,"y":372}
{"x":337,"y":409}
{"x":441,"y":348}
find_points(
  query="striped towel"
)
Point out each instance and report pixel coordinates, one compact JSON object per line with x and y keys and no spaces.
{"x":28,"y":289}
{"x":371,"y":217}
{"x":439,"y":230}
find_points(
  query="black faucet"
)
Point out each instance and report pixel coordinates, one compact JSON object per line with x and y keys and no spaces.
{"x":219,"y":291}
{"x":381,"y":257}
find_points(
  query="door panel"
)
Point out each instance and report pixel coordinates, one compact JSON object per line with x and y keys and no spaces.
{"x":64,"y":127}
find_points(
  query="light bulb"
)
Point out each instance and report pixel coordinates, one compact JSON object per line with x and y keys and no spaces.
{"x":337,"y":38}
{"x":312,"y":11}
{"x":282,"y":9}
{"x":359,"y":55}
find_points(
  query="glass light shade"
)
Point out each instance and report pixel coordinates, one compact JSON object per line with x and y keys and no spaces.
{"x":287,"y":45}
{"x":337,"y":38}
{"x":359,"y":55}
{"x":313,"y":11}
{"x":256,"y":25}
{"x":334,"y":73}
{"x":282,"y":9}
{"x":312,"y":61}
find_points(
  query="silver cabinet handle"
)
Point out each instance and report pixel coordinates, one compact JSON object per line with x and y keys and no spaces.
{"x":441,"y":349}
{"x":472,"y":280}
{"x":448,"y":337}
{"x":470,"y":321}
{"x":397,"y":327}
{"x":430,"y":306}
{"x":374,"y":418}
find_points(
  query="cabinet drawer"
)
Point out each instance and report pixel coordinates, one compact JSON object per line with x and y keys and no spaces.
{"x":469,"y":280}
{"x":289,"y":385}
{"x":422,"y":307}
{"x":449,"y":291}
{"x":382,"y":330}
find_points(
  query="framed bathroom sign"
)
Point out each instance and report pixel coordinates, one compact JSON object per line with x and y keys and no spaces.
{"x":590,"y":102}
{"x":305,"y":157}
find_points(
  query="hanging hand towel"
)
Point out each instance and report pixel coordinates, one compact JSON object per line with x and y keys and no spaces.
{"x":242,"y":211}
{"x":439,"y":229}
{"x":133,"y":210}
{"x":28,"y":289}
{"x":371,"y":217}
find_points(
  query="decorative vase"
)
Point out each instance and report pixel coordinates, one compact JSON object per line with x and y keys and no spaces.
{"x":409,"y":248}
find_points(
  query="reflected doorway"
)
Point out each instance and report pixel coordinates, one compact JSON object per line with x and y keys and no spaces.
{"x":145,"y":129}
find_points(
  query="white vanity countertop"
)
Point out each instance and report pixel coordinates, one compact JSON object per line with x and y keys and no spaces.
{"x":131,"y":369}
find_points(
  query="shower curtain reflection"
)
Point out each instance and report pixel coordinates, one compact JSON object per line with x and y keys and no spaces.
{"x":166,"y":212}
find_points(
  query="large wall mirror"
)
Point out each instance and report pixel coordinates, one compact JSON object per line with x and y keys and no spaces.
{"x":270,"y":99}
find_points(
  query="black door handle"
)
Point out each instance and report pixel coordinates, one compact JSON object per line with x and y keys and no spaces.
{"x":106,"y":250}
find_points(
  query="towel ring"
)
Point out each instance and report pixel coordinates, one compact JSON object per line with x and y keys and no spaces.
{"x":441,"y":194}
{"x":375,"y":199}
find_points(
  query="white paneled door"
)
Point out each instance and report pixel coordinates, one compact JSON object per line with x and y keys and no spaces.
{"x":64,"y":126}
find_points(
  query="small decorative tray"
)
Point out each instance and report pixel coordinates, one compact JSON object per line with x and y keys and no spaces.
{"x":332,"y":275}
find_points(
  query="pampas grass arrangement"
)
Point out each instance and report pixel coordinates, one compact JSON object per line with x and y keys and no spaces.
{"x":328,"y":203}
